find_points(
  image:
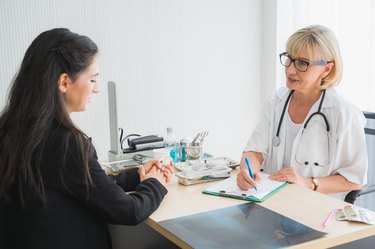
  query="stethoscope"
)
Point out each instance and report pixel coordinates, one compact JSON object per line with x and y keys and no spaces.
{"x":276,"y":140}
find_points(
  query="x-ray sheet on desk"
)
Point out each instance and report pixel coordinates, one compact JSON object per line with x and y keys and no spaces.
{"x":242,"y":226}
{"x":229,"y":188}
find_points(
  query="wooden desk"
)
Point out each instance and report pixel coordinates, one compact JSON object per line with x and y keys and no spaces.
{"x":305,"y":206}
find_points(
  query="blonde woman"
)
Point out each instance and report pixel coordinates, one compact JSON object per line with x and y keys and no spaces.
{"x":308,"y":134}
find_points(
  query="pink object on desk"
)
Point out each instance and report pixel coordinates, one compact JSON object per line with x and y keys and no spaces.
{"x":328,"y":219}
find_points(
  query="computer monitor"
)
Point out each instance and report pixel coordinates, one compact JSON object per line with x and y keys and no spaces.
{"x":113,"y":123}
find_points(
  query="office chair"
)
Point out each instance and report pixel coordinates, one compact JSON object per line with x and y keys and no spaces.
{"x":370,"y":140}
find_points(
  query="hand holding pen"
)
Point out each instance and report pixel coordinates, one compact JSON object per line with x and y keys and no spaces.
{"x":250,"y":171}
{"x":245,"y":179}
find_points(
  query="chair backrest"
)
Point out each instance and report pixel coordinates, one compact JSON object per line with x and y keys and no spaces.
{"x":367,"y":201}
{"x":370,"y":140}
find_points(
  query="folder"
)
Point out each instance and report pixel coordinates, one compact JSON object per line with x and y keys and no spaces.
{"x":229,"y":188}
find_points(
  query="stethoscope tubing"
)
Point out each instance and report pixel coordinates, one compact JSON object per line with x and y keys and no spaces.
{"x":276,"y":139}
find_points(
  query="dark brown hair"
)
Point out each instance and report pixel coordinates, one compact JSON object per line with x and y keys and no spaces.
{"x":34,"y":103}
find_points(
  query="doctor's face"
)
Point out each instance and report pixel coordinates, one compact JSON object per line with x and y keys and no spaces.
{"x":308,"y":80}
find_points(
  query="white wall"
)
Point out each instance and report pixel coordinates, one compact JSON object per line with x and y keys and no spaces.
{"x":191,"y":64}
{"x":353,"y":23}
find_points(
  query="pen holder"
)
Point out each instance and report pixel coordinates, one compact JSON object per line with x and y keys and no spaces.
{"x":194,"y":151}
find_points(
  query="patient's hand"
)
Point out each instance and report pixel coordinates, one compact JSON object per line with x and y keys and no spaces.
{"x":154,"y":172}
{"x":153,"y":166}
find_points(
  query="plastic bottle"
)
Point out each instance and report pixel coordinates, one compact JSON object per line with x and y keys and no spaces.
{"x":171,"y":143}
{"x":170,"y":138}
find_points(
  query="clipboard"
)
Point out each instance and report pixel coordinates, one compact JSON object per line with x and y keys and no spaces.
{"x":229,"y":188}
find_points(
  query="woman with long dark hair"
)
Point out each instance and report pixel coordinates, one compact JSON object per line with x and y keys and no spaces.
{"x":53,"y":191}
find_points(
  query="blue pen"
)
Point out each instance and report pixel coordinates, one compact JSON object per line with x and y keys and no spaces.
{"x":250,"y":171}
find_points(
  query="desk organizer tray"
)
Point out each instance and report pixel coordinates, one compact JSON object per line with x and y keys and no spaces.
{"x":214,"y":176}
{"x":225,"y":161}
{"x":204,"y":170}
{"x":117,"y":167}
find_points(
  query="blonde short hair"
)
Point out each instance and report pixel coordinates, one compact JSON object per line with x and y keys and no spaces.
{"x":318,"y":43}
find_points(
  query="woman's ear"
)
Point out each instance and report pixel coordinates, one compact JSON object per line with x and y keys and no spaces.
{"x":64,"y":82}
{"x":327,"y":69}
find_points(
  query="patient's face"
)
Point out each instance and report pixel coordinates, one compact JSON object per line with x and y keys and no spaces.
{"x":79,"y":92}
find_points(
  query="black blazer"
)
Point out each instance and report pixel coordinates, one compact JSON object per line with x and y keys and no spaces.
{"x":76,"y":216}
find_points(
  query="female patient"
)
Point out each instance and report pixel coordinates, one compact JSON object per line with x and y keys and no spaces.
{"x":309,"y":135}
{"x":53,"y":192}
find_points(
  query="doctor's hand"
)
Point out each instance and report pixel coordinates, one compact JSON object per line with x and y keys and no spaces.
{"x":245,"y":182}
{"x":289,"y":174}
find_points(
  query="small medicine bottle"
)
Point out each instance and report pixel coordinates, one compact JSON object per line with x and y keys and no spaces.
{"x":171,"y":143}
{"x":183,"y":147}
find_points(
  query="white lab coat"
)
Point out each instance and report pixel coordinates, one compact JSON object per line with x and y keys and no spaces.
{"x":347,"y":146}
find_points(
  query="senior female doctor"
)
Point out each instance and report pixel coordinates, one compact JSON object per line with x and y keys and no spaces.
{"x":308,"y":134}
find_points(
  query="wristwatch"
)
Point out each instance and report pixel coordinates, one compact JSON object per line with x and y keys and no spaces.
{"x":315,"y":182}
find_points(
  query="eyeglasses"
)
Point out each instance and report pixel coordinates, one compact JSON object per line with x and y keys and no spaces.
{"x":300,"y":65}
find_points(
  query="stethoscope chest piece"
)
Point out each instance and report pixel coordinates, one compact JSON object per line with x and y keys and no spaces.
{"x":276,"y":141}
{"x":313,"y":147}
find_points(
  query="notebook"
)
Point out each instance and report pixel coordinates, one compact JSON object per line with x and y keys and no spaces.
{"x":229,"y":188}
